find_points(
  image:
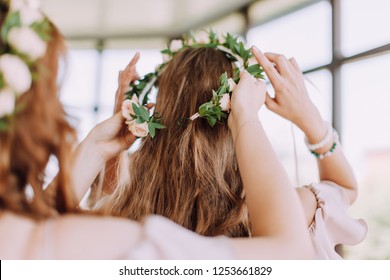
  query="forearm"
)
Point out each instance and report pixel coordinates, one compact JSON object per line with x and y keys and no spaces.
{"x":335,"y":167}
{"x":86,"y":165}
{"x":272,"y":203}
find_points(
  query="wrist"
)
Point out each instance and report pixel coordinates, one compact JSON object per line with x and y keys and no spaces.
{"x":313,"y":126}
{"x":89,"y":148}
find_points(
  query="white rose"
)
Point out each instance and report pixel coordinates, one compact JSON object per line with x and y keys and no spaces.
{"x":28,"y":16}
{"x":175,"y":45}
{"x":7,"y":102}
{"x":26,"y":41}
{"x":19,"y":4}
{"x":224,"y":103}
{"x":16,"y":73}
{"x":138,"y":129}
{"x":202,"y":37}
{"x":252,"y":61}
{"x":232,"y":84}
{"x":16,"y":5}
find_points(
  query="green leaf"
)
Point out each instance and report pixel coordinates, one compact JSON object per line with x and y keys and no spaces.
{"x":43,"y":29}
{"x":152,"y":130}
{"x":212,"y":121}
{"x":213,"y":37}
{"x":256,"y":71}
{"x":202,"y":110}
{"x":167,"y":51}
{"x":136,"y":109}
{"x":159,"y":125}
{"x":12,"y":20}
{"x":236,"y":75}
{"x":223,"y":79}
{"x":144,"y":113}
{"x":141,"y":85}
{"x":140,"y":120}
{"x":2,"y":82}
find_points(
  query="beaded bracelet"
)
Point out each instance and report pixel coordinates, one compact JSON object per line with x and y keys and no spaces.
{"x":328,"y":153}
{"x":331,"y":150}
{"x":323,"y":142}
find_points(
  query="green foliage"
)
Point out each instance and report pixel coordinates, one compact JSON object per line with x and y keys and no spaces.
{"x":256,"y":71}
{"x":234,"y":50}
{"x":43,"y":29}
{"x":141,"y":115}
{"x":12,"y":20}
{"x":138,"y":86}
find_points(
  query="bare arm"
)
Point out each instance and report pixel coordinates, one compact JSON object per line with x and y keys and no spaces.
{"x":105,"y":142}
{"x":293,"y":103}
{"x":275,"y":211}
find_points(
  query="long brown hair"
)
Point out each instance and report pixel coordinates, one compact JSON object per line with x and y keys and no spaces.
{"x":187,"y":173}
{"x":37,"y":131}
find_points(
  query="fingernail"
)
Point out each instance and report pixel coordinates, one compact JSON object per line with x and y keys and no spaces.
{"x":255,"y":49}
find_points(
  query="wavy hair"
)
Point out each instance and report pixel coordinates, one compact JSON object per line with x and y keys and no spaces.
{"x":187,"y":173}
{"x":40,"y":129}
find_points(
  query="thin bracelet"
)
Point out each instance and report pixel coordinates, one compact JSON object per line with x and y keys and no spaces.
{"x":239,"y":129}
{"x":323,"y":142}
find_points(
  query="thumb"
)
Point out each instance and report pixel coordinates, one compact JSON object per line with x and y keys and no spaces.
{"x":271,"y":103}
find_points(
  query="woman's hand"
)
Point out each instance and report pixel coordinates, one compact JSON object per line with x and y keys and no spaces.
{"x":291,"y":99}
{"x":111,"y":137}
{"x":247,"y":98}
{"x":125,"y":77}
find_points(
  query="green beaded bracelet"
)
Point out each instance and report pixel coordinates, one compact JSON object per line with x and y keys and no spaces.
{"x":328,"y":153}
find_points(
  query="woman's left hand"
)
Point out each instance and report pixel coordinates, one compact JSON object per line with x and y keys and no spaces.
{"x":112,"y":136}
{"x":125,"y":77}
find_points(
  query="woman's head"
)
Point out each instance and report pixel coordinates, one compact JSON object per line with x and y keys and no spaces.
{"x":188,"y":172}
{"x":36,"y":130}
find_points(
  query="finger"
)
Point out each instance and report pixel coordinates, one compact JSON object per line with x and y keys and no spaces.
{"x":294,"y":63}
{"x":133,"y":62}
{"x":280,"y":61}
{"x":271,"y":103}
{"x":267,"y":65}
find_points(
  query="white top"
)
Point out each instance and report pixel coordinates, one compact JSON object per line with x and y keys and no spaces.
{"x":91,"y":237}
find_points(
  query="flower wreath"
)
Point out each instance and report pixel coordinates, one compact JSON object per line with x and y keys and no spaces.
{"x":138,"y":119}
{"x":24,"y":34}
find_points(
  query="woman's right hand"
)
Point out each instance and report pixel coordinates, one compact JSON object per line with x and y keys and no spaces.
{"x":247,"y":98}
{"x":291,"y":100}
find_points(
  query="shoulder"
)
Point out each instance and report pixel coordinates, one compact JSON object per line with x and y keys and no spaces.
{"x":93,"y":237}
{"x":67,"y":237}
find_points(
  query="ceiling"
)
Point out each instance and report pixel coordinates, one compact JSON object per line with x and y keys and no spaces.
{"x":124,"y":22}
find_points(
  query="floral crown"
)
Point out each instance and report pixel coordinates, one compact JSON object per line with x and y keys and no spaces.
{"x":138,"y":119}
{"x":24,"y":35}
